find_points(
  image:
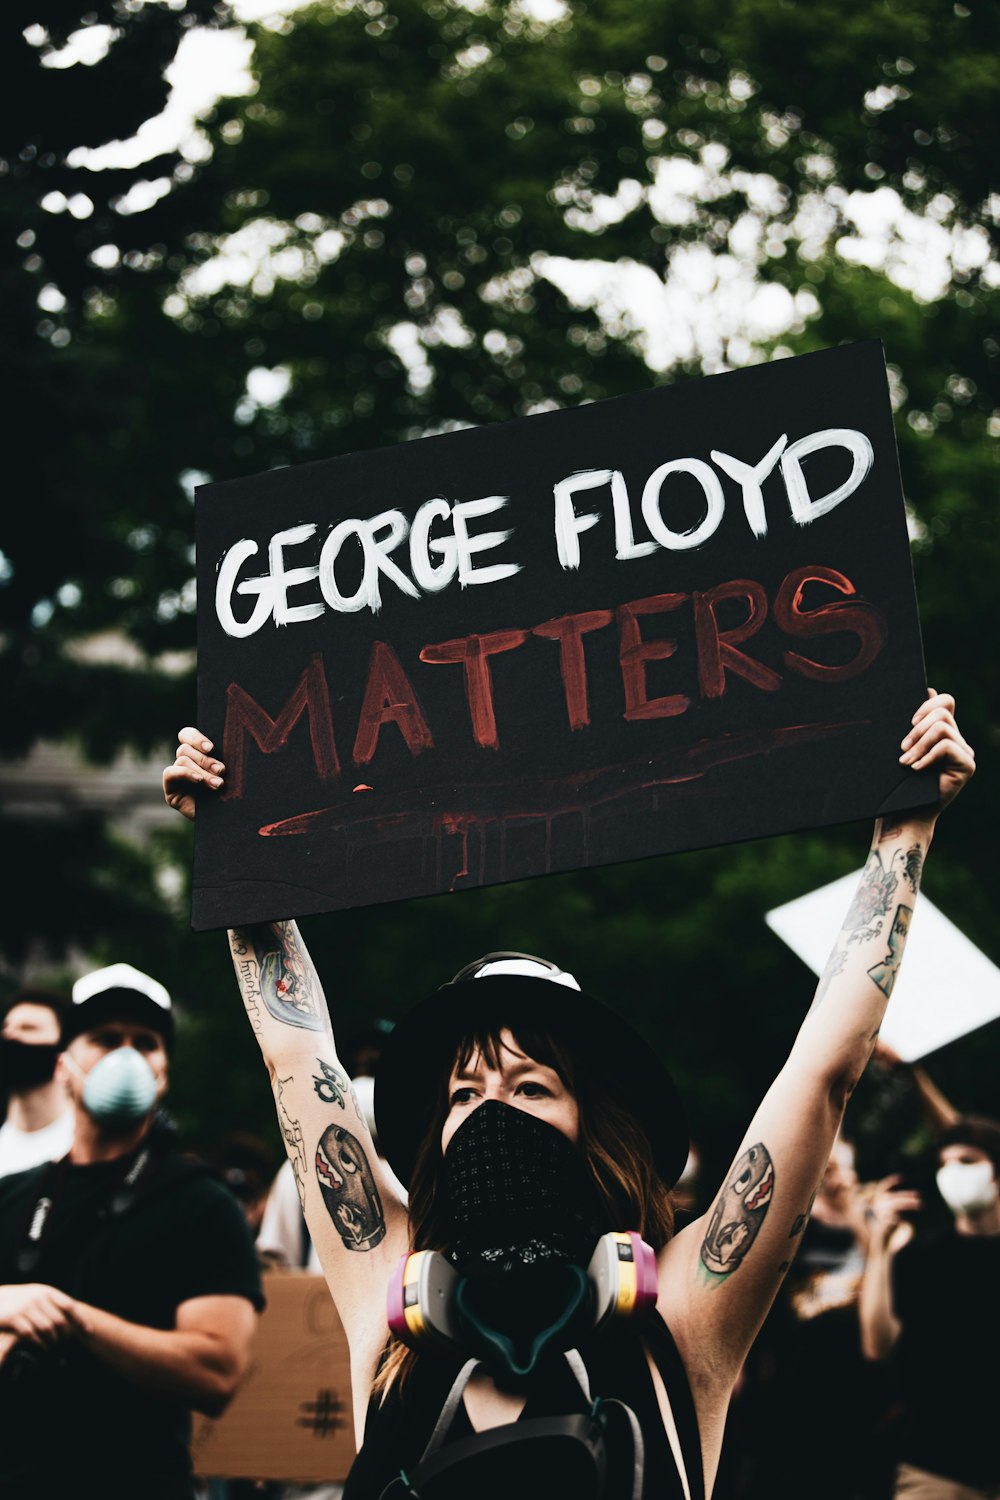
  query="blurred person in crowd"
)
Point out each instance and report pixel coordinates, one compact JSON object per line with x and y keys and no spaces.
{"x":807,"y":1371}
{"x":283,"y":1238}
{"x":38,"y":1120}
{"x":247,"y":1165}
{"x":129,"y":1288}
{"x":930,"y":1299}
{"x":896,"y":1113}
{"x":362,"y":1050}
{"x":937,"y":1111}
{"x":806,"y":1382}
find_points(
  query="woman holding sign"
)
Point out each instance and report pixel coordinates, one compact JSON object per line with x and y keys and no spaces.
{"x":545,"y":1321}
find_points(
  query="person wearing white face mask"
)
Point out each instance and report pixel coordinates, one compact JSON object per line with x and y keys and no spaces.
{"x":932,"y":1302}
{"x":128,"y":1281}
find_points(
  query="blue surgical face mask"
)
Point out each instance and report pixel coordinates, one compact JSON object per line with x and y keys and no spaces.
{"x":120,"y":1089}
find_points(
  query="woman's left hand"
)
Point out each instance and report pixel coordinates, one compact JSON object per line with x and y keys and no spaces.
{"x":936,"y":742}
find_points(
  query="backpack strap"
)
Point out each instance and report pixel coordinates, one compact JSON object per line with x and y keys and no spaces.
{"x":599,"y":1409}
{"x":402,"y":1483}
{"x":675,"y":1378}
{"x":575,"y":1361}
{"x":454,"y":1398}
{"x":638,"y":1446}
{"x":610,"y":1404}
{"x":448,"y":1411}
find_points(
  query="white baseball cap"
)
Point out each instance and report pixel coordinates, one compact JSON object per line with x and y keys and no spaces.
{"x":119,"y":987}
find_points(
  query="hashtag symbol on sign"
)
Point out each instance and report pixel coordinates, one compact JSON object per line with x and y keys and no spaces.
{"x":323,"y":1415}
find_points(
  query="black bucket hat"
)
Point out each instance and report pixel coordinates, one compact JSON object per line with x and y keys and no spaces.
{"x":422,"y":1045}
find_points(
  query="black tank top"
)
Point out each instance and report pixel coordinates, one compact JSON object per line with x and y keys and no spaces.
{"x":397,"y":1431}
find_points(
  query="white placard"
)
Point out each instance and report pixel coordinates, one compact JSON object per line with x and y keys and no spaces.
{"x":946,"y":986}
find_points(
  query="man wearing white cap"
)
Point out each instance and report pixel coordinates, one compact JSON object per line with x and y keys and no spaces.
{"x":128,"y":1281}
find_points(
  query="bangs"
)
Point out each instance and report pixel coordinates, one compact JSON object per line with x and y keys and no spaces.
{"x":534,"y":1042}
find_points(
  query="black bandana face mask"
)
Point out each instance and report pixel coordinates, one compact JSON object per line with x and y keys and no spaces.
{"x":517,"y":1194}
{"x":26,"y":1065}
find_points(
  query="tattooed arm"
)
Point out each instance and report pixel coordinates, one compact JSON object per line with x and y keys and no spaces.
{"x":352,"y":1202}
{"x":719,"y":1275}
{"x":841,"y":1029}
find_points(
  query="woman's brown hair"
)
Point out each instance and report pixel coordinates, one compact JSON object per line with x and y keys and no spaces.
{"x":613,"y":1143}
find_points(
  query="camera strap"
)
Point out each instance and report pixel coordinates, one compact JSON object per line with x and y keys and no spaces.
{"x":119,"y":1200}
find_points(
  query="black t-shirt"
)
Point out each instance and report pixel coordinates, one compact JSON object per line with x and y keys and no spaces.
{"x":70,"y":1422}
{"x":946,"y":1294}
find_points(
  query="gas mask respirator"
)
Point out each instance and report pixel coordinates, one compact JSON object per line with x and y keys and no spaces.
{"x":532,"y":1264}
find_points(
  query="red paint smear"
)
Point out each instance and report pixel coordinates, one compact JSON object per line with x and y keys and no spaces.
{"x":564,"y":794}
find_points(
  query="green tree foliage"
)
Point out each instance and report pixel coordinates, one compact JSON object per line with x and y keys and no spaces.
{"x":86,"y":383}
{"x":86,"y":376}
{"x":382,"y":223}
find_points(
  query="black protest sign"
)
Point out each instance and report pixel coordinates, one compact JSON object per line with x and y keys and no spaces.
{"x":660,"y":622}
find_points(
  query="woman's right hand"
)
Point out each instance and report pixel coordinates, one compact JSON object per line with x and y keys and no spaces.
{"x":194,"y":766}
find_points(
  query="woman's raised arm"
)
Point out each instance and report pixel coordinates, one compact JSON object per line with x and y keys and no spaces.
{"x":720,"y":1274}
{"x":352,"y":1202}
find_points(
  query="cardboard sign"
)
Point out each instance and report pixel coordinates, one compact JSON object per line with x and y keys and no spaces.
{"x":291,"y":1419}
{"x":660,"y":622}
{"x":946,"y":988}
